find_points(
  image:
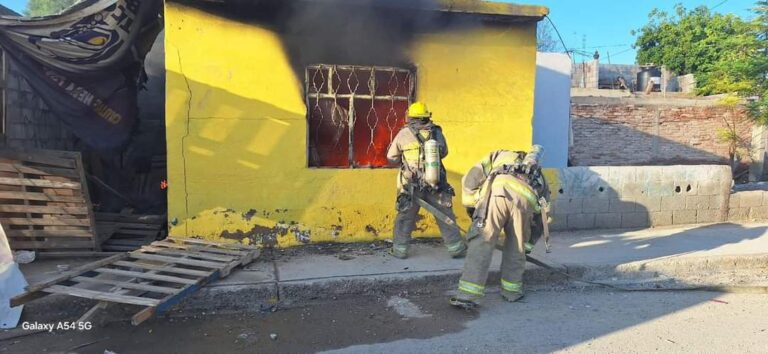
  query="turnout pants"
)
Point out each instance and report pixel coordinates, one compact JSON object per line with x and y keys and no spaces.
{"x":513,"y":217}
{"x":405,"y":221}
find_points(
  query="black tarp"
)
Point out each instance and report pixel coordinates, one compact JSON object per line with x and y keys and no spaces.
{"x":86,"y":62}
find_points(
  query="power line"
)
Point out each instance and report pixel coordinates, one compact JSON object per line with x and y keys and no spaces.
{"x":565,"y":47}
{"x":610,"y":46}
{"x":621,"y":52}
{"x":718,"y":5}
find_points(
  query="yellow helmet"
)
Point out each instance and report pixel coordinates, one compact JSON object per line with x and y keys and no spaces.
{"x":419,"y":110}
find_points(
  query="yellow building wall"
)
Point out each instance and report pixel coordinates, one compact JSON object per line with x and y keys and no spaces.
{"x":237,"y":130}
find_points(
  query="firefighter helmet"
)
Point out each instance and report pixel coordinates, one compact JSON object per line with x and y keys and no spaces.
{"x":419,"y":110}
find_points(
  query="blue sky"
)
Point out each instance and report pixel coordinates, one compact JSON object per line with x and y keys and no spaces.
{"x":607,"y":23}
{"x":15,"y":5}
{"x":598,"y":23}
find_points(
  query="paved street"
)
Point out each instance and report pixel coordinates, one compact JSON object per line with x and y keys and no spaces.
{"x":548,"y":321}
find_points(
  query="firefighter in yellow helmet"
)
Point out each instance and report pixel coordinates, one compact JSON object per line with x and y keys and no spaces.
{"x":417,"y":181}
{"x":504,"y":193}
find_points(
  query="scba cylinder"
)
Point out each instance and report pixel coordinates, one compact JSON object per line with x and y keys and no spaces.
{"x":432,"y":162}
{"x":533,"y":158}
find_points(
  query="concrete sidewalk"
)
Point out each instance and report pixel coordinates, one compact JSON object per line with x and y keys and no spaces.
{"x":721,"y":254}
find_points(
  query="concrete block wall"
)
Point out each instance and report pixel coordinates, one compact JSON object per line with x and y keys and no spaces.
{"x":614,"y":197}
{"x":29,"y":123}
{"x":585,"y":74}
{"x":748,"y":205}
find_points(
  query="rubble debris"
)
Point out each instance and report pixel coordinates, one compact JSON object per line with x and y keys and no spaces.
{"x":24,"y":257}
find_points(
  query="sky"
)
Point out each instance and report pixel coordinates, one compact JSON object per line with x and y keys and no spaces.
{"x":605,"y":25}
{"x":15,"y":5}
{"x":602,"y":25}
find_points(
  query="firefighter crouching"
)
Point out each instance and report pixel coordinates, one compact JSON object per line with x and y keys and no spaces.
{"x":505,"y":192}
{"x":419,"y":148}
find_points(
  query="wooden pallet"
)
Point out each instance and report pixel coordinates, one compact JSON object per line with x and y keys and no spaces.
{"x":157,"y":276}
{"x":44,"y":201}
{"x":128,"y":232}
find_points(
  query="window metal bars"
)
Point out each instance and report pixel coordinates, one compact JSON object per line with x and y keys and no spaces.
{"x":324,"y":85}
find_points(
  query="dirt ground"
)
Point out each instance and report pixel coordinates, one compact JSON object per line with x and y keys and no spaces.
{"x":307,"y":329}
{"x":546,"y":321}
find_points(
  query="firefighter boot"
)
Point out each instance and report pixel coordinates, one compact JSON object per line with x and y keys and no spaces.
{"x":510,"y":296}
{"x":458,"y":250}
{"x":511,"y":291}
{"x":399,"y":251}
{"x":464,"y":301}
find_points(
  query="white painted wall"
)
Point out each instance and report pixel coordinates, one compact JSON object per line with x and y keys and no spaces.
{"x":552,"y":107}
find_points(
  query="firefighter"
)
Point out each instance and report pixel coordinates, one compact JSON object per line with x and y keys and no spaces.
{"x":418,"y":180}
{"x":504,"y":193}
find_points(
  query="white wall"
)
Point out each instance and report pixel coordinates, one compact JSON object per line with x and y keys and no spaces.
{"x":551,"y":123}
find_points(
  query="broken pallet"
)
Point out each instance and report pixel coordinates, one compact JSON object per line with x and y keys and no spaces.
{"x":127,"y":232}
{"x":157,"y":276}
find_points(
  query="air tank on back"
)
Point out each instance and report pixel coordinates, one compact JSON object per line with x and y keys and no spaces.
{"x":432,"y":162}
{"x":649,"y":73}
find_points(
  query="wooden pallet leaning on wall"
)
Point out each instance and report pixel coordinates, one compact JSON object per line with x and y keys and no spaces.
{"x":44,"y":201}
{"x":157,"y":276}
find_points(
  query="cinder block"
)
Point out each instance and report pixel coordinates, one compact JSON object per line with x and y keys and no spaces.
{"x":681,"y":217}
{"x":604,"y":172}
{"x":595,"y":205}
{"x":758,"y":213}
{"x":697,"y":202}
{"x":608,"y":221}
{"x":765,"y":198}
{"x":718,"y":173}
{"x":660,"y":218}
{"x":708,"y":216}
{"x":622,"y":206}
{"x":717,"y":202}
{"x":748,"y":199}
{"x":648,"y":204}
{"x":559,"y":222}
{"x":734,"y":200}
{"x":631,"y":190}
{"x":663,"y":188}
{"x":673,"y":173}
{"x":708,"y":188}
{"x":605,"y":191}
{"x":672,"y":203}
{"x":581,"y":221}
{"x":632,"y":220}
{"x":566,"y":205}
{"x":648,"y":174}
{"x":624,"y":174}
{"x":688,"y":187}
{"x":725,"y":186}
{"x":738,"y":214}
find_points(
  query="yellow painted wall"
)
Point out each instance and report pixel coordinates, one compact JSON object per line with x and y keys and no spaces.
{"x":236,"y":129}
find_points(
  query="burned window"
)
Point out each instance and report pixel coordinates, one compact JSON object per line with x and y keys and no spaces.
{"x":354,"y":112}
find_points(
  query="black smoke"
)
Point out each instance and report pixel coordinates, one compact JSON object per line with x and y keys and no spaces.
{"x":346,"y":32}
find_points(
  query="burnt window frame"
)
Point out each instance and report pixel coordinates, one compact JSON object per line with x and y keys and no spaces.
{"x":326,"y":92}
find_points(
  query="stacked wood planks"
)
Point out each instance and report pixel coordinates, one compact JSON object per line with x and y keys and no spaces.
{"x":44,"y":201}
